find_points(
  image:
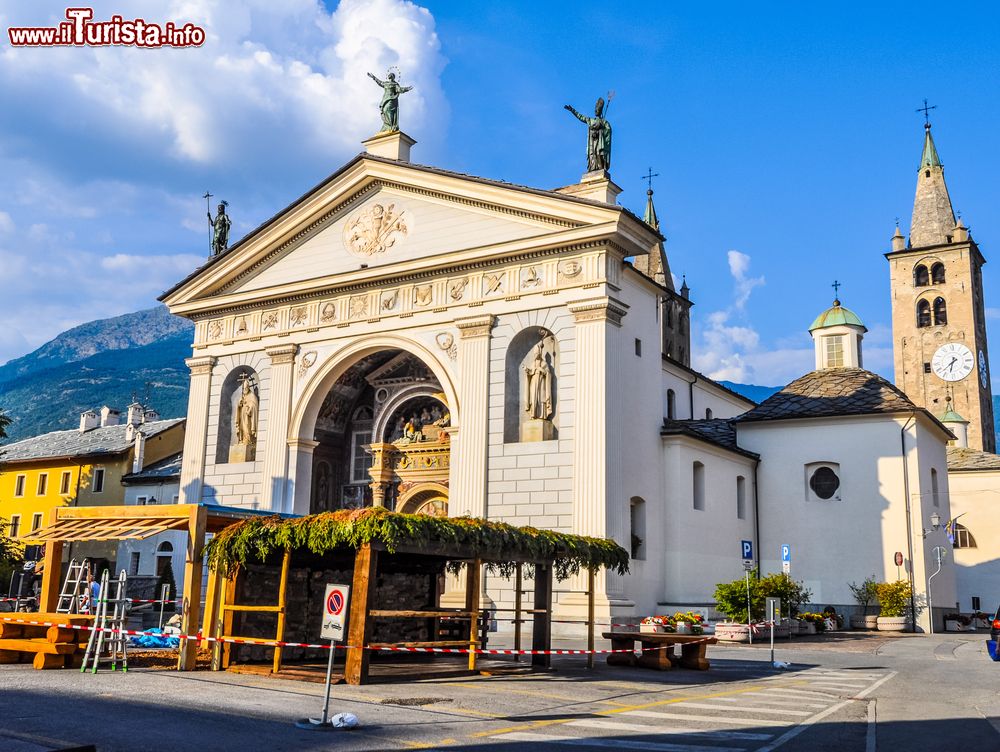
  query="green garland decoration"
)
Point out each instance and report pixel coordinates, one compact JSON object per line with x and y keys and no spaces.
{"x":500,"y":544}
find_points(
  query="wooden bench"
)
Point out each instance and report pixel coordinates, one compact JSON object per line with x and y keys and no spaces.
{"x":658,"y":650}
{"x":46,"y":646}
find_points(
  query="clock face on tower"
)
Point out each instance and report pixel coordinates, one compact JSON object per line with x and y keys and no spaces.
{"x":953,"y":362}
{"x":984,"y":378}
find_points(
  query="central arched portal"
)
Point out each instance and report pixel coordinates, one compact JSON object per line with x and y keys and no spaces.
{"x":382,"y":438}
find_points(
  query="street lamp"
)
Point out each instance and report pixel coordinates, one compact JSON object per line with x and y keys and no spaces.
{"x":935,"y":525}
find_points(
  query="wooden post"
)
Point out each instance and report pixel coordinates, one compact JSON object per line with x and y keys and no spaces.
{"x":591,"y":581}
{"x":282,"y":601}
{"x":472,"y":582}
{"x":191,"y":605}
{"x":541,"y":633}
{"x":226,"y":618}
{"x":517,"y":609}
{"x":209,"y":618}
{"x":359,"y":628}
{"x":48,"y":597}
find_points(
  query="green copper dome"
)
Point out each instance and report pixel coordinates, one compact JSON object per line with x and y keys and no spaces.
{"x":837,"y":315}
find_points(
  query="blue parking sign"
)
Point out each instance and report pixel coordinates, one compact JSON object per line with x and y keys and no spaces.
{"x":747,"y":548}
{"x":786,"y":552}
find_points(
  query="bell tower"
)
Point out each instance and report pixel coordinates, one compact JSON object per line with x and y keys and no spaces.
{"x":938,"y":314}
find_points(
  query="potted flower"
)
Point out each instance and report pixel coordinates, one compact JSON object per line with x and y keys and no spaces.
{"x":656,"y":624}
{"x":689,"y":622}
{"x":980,"y":620}
{"x":865,"y":594}
{"x":814,"y":622}
{"x":957,"y":623}
{"x":894,"y":602}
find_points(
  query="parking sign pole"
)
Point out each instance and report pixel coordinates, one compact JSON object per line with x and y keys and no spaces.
{"x":749,"y":615}
{"x":329,"y":681}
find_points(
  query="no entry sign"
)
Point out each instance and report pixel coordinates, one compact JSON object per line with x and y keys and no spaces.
{"x":335,"y":612}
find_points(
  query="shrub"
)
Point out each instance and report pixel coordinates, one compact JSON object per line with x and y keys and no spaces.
{"x":894,"y":598}
{"x":866,"y":593}
{"x":793,"y":594}
{"x":731,"y":599}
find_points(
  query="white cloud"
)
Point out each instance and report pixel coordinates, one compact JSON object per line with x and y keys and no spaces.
{"x":6,"y":223}
{"x":271,"y":80}
{"x":143,"y":268}
{"x":739,"y":267}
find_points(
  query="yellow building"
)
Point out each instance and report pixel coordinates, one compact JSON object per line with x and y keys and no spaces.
{"x":81,"y":467}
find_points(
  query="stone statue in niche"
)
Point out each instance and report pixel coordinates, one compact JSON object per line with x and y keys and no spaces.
{"x":539,"y":398}
{"x":244,"y":449}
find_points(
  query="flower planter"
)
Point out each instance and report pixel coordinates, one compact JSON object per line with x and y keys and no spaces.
{"x":893,"y":624}
{"x":793,"y":625}
{"x":656,"y":628}
{"x":683,"y":627}
{"x":810,"y":628}
{"x":864,"y":622}
{"x":726,"y":632}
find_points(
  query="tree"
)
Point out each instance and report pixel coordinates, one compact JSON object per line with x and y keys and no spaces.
{"x":11,"y":552}
{"x":167,"y":578}
{"x":866,"y":593}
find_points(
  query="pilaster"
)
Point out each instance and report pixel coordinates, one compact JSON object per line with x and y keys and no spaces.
{"x":196,"y":429}
{"x":274,"y":476}
{"x":300,"y":467}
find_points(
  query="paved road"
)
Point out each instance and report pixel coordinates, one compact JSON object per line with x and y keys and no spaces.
{"x":913,"y":694}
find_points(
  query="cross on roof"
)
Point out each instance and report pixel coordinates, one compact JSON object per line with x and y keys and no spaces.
{"x":836,"y":288}
{"x":926,"y":109}
{"x":648,"y":177}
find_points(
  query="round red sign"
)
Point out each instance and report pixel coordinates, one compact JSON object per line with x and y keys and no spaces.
{"x":335,"y":603}
{"x":899,"y":558}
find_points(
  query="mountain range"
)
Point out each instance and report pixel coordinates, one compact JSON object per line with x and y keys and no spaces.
{"x":135,"y":356}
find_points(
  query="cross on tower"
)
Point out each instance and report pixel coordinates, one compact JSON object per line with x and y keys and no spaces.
{"x":836,"y":289}
{"x":648,"y":177}
{"x":926,"y":109}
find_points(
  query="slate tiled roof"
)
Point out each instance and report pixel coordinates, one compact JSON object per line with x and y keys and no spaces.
{"x":965,"y":459}
{"x":92,"y":443}
{"x":717,"y":431}
{"x":832,"y":392}
{"x":165,"y":469}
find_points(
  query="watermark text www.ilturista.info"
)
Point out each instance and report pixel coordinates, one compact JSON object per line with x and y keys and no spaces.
{"x":80,"y":30}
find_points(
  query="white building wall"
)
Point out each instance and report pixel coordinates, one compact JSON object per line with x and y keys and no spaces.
{"x":975,"y":496}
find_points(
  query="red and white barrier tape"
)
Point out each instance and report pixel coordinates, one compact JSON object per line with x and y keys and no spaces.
{"x":393,"y":648}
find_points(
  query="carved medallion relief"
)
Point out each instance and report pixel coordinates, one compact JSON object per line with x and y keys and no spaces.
{"x":375,"y":229}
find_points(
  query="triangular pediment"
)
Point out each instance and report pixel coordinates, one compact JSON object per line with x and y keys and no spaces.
{"x":382,"y":218}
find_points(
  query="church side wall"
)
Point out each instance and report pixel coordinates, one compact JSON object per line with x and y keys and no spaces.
{"x":974,"y":496}
{"x":236,"y":484}
{"x":701,"y":547}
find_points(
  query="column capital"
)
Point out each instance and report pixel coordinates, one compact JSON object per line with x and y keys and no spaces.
{"x":303,"y":445}
{"x":282,"y":354}
{"x":476,"y":326}
{"x":602,"y":308}
{"x":202,"y":365}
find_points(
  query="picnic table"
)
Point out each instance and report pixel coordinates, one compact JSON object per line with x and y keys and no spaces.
{"x":658,"y":650}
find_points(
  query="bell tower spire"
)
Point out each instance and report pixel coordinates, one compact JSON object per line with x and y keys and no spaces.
{"x":933,"y":221}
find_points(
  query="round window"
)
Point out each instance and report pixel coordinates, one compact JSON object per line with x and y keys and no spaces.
{"x":824,"y":483}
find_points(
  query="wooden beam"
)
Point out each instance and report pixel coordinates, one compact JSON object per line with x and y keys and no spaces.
{"x":226,"y":621}
{"x":48,"y":596}
{"x":191,"y":604}
{"x":286,"y":561}
{"x":474,"y":571}
{"x":541,"y":633}
{"x":210,"y":615}
{"x":359,"y":628}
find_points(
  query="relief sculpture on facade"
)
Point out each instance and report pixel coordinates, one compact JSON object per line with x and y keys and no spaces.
{"x":375,"y":229}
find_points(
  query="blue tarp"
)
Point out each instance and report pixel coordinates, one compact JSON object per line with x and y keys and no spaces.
{"x":991,"y":648}
{"x":155,"y":640}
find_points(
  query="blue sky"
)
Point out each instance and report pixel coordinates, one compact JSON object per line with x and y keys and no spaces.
{"x":784,"y":135}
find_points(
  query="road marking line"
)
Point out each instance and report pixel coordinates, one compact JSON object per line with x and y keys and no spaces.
{"x":748,"y":735}
{"x":492,"y":688}
{"x":800,"y":693}
{"x":831,"y":685}
{"x":712,"y":718}
{"x":734,"y":709}
{"x":870,"y":730}
{"x":616,"y":743}
{"x":772,"y":701}
{"x":793,"y":732}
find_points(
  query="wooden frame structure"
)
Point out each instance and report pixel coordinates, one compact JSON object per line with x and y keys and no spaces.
{"x":67,"y":524}
{"x":362,"y":615}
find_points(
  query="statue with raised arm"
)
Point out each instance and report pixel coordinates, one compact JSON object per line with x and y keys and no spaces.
{"x":390,"y":101}
{"x":220,"y":230}
{"x":598,"y":137}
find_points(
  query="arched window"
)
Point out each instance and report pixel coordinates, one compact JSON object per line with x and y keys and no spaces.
{"x":962,"y":537}
{"x":937,"y":273}
{"x":934,"y":488}
{"x":698,"y":481}
{"x":637,"y":527}
{"x":708,"y":413}
{"x":166,"y":547}
{"x":671,"y":404}
{"x":920,"y":276}
{"x":940,"y":312}
{"x":741,"y":497}
{"x":923,"y":313}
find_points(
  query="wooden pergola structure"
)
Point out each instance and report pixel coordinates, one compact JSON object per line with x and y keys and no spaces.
{"x":113,"y":523}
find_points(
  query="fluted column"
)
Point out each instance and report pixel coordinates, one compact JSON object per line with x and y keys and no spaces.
{"x":597,"y":439}
{"x":274,"y":474}
{"x":468,"y":481}
{"x":196,"y":429}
